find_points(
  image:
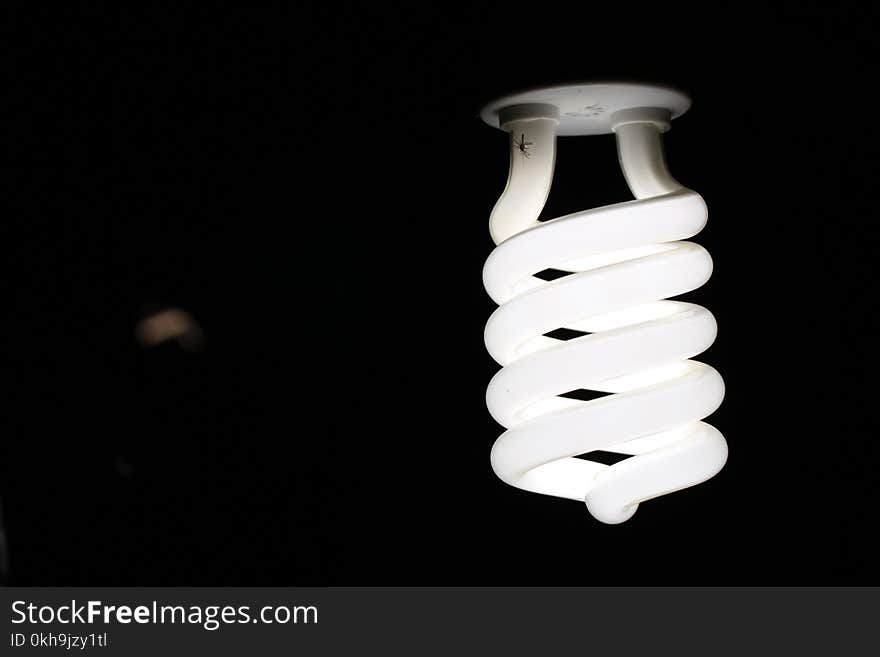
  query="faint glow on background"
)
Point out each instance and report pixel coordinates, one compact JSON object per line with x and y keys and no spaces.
{"x":170,"y":324}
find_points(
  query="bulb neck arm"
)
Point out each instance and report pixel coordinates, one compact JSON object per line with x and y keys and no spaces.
{"x":532,"y":131}
{"x":641,"y":153}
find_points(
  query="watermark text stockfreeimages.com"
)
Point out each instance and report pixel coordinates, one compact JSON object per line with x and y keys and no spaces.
{"x":210,"y":617}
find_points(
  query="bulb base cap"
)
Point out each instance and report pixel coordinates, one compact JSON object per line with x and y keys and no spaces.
{"x":591,"y":108}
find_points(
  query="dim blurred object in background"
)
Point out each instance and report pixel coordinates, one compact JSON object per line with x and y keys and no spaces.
{"x":170,"y":324}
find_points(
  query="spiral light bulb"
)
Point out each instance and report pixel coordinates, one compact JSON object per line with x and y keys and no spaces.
{"x":625,"y":260}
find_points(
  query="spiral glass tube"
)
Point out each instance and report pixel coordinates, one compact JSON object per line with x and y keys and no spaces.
{"x":625,"y":261}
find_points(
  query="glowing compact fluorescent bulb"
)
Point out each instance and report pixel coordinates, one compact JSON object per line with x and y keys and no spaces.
{"x":624,"y":260}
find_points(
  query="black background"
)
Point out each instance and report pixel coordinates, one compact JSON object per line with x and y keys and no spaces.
{"x":314,"y":187}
